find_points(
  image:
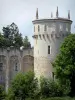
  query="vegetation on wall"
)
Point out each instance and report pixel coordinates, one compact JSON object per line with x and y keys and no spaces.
{"x":12,"y":37}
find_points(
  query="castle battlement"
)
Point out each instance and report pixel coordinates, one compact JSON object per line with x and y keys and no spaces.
{"x":15,"y":51}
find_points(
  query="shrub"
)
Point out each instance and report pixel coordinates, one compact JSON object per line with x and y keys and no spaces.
{"x":50,"y":88}
{"x":2,"y":93}
{"x":54,"y":98}
{"x":23,"y":86}
{"x":65,"y":88}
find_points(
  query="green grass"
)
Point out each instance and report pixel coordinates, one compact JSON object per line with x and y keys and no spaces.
{"x":55,"y":98}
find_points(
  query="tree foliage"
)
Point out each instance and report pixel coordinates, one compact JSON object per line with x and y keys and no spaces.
{"x":2,"y":93}
{"x":22,"y":86}
{"x":50,"y":88}
{"x":12,"y":37}
{"x":26,"y":42}
{"x":65,"y":63}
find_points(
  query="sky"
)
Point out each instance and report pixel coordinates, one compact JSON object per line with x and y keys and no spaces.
{"x":22,"y":13}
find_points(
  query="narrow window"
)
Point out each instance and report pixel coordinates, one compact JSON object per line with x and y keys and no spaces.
{"x":38,"y":28}
{"x":16,"y":67}
{"x":1,"y":66}
{"x":66,"y":29}
{"x":49,"y":49}
{"x":34,"y":28}
{"x":45,"y":28}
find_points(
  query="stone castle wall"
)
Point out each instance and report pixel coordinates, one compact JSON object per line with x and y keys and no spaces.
{"x":13,"y":61}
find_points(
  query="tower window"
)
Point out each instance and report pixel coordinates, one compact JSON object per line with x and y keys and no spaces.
{"x":49,"y":49}
{"x":38,"y":28}
{"x":45,"y":28}
{"x":34,"y":28}
{"x":1,"y":66}
{"x":61,"y":27}
{"x":66,"y":29}
{"x":16,"y":67}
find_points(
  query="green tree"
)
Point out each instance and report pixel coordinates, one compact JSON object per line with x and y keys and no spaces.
{"x":2,"y":41}
{"x":18,"y":40}
{"x":2,"y":93}
{"x":10,"y":30}
{"x":6,"y":31}
{"x":26,"y":42}
{"x":50,"y":88}
{"x":22,"y":86}
{"x":12,"y":35}
{"x":65,"y":64}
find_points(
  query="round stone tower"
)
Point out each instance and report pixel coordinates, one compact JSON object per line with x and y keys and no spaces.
{"x":48,"y":36}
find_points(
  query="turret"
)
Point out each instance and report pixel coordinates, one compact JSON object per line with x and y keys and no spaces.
{"x":37,"y":13}
{"x":48,"y":35}
{"x":57,"y":13}
{"x":69,"y":14}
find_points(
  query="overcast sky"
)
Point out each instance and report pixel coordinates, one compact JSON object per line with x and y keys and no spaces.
{"x":22,"y":12}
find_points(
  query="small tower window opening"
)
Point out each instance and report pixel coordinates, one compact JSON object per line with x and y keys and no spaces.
{"x":66,"y":29}
{"x":1,"y":66}
{"x":45,"y":28}
{"x":16,"y":67}
{"x":49,"y":49}
{"x":38,"y":28}
{"x":34,"y":28}
{"x":61,"y":27}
